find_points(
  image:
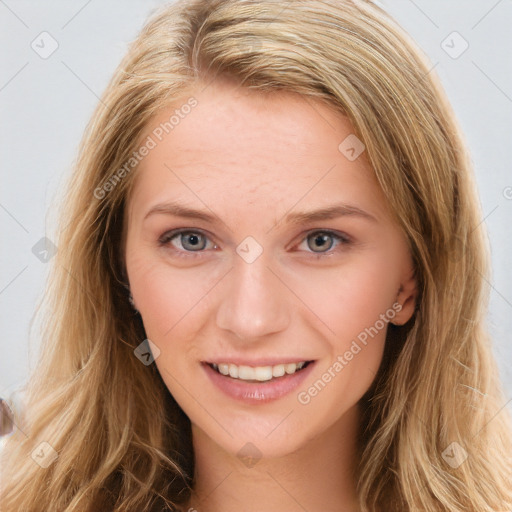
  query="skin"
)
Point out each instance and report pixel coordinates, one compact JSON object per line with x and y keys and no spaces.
{"x":251,"y":159}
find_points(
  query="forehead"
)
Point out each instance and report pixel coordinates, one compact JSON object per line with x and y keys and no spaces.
{"x":257,"y":146}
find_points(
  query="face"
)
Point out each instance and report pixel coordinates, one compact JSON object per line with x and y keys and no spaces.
{"x":257,"y":280}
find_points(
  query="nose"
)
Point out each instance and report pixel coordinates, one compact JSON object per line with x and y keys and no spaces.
{"x":254,"y":302}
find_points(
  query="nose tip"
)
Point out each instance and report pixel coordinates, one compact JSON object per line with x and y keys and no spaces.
{"x":253,"y":302}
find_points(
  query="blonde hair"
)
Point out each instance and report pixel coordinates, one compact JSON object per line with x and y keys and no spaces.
{"x":123,"y":443}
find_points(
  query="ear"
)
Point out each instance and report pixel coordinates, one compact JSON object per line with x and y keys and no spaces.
{"x":406,"y":296}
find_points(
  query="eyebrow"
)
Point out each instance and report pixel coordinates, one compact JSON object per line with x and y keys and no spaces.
{"x":326,"y":213}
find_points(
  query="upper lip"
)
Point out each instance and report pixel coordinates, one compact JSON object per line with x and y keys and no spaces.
{"x":257,"y":362}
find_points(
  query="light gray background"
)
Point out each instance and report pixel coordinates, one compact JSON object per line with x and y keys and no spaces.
{"x":46,"y":103}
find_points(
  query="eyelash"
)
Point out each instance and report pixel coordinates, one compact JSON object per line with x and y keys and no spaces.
{"x":164,"y":240}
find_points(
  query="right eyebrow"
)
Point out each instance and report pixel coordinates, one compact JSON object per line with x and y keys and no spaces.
{"x":180,"y":210}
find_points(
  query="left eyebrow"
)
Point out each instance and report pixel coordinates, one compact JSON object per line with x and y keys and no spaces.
{"x":327,"y":213}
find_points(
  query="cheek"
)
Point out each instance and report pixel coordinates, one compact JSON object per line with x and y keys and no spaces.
{"x":356,"y":304}
{"x":168,"y":299}
{"x":350,"y":298}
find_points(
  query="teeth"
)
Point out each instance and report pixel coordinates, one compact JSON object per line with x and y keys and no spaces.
{"x":261,"y":373}
{"x":278,"y":370}
{"x":233,"y":371}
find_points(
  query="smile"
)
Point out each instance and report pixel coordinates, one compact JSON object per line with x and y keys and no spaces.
{"x":258,"y":384}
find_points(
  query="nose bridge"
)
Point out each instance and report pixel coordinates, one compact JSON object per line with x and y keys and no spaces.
{"x":253,"y":303}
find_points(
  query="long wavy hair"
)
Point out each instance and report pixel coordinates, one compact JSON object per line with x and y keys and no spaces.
{"x":121,"y":441}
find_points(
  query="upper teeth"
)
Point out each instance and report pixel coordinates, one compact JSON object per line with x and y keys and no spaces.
{"x":257,"y":372}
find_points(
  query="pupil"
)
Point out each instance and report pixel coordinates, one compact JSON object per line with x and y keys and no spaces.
{"x":321,"y":241}
{"x":191,"y":240}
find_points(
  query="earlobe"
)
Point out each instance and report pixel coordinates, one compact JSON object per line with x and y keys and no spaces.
{"x":406,"y":297}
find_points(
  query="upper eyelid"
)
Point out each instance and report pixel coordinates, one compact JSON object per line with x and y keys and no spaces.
{"x":179,"y":231}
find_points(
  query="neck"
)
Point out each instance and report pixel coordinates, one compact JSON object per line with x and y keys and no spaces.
{"x":317,"y":476}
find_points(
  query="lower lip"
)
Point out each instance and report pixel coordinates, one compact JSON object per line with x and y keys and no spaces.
{"x":258,"y":392}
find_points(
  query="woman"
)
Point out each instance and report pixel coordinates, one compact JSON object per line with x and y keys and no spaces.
{"x":268,"y":290}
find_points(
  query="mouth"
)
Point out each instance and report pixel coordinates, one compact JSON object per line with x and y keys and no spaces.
{"x":257,"y":374}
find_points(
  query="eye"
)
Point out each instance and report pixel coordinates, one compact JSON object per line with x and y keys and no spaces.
{"x":320,"y":242}
{"x":188,"y":241}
